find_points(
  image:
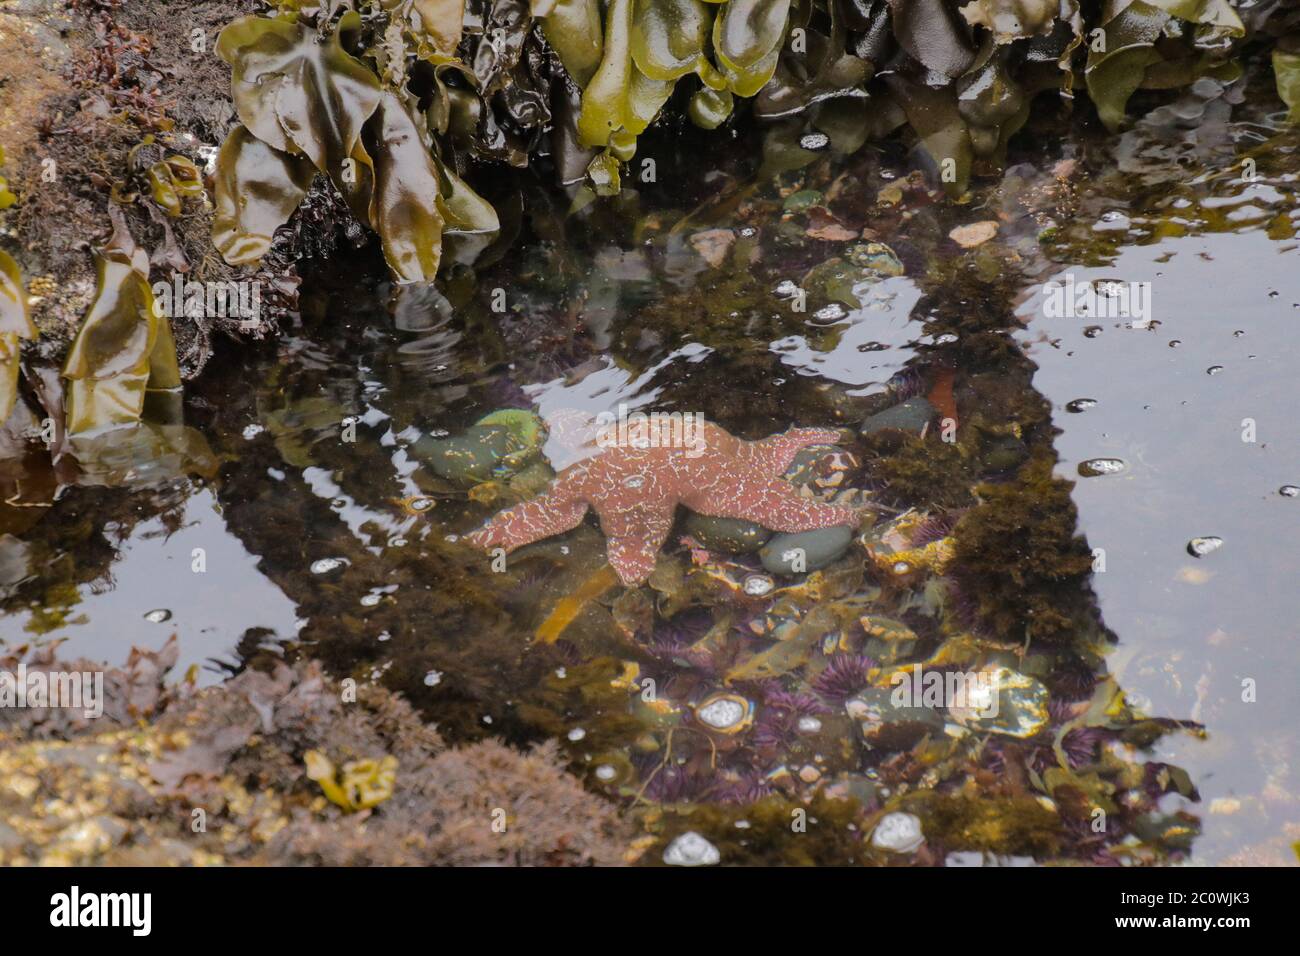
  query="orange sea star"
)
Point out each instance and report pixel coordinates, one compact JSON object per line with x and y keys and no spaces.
{"x":636,"y":490}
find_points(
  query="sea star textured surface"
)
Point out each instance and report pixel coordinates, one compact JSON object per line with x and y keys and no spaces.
{"x":636,"y":490}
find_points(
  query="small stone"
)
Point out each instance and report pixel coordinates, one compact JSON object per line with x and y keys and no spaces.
{"x":802,"y":200}
{"x":713,"y":245}
{"x":728,"y":535}
{"x":809,"y":725}
{"x":974,"y":234}
{"x":911,"y":416}
{"x":888,"y":641}
{"x":889,"y":726}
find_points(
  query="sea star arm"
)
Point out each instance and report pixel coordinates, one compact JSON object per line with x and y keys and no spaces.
{"x":774,"y":455}
{"x":633,"y":540}
{"x":774,"y":504}
{"x":533,"y":520}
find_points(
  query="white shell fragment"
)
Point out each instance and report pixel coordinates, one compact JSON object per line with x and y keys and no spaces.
{"x":898,"y":833}
{"x":691,"y":849}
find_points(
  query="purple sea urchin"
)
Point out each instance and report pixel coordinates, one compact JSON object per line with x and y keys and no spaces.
{"x":844,"y":676}
{"x":778,"y":722}
{"x":1072,"y":680}
{"x":934,"y":527}
{"x":750,"y":787}
{"x":672,"y":782}
{"x":907,"y":383}
{"x":1081,"y":745}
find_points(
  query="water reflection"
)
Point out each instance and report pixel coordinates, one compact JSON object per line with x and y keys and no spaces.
{"x":101,"y":584}
{"x":1206,"y":638}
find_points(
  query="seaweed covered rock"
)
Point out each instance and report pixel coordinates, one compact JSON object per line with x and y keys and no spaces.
{"x":174,"y":774}
{"x":120,"y":110}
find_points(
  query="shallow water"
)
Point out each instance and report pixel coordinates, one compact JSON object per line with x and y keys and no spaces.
{"x":301,"y":543}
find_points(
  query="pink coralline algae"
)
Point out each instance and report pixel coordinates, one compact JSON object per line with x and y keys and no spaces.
{"x":635,"y":489}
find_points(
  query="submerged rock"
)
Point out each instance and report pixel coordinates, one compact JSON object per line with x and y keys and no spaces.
{"x":890,"y":726}
{"x":847,"y":279}
{"x":468,"y":458}
{"x":805,"y":550}
{"x":1003,"y":701}
{"x":911,"y":416}
{"x":729,"y":535}
{"x":888,"y":641}
{"x":495,"y":446}
{"x":235,"y":750}
{"x":803,"y":200}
